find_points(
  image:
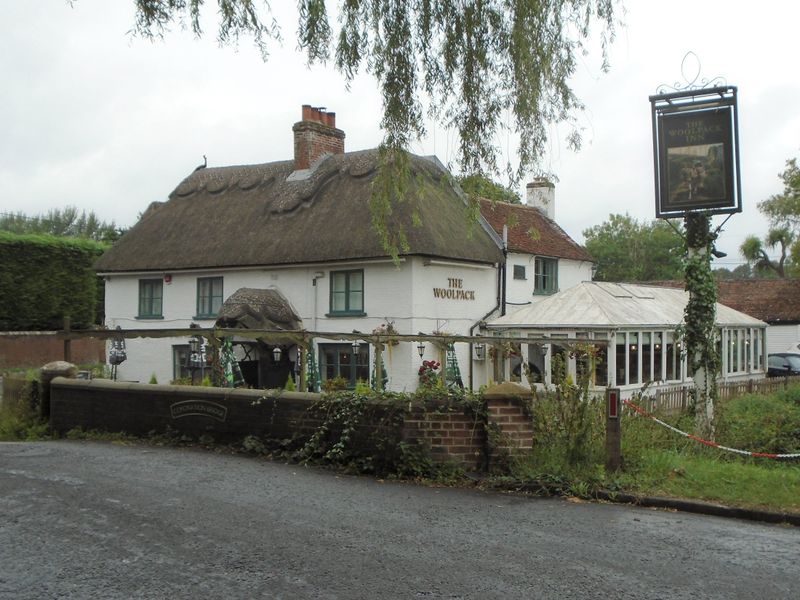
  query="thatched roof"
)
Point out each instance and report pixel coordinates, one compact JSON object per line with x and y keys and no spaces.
{"x":252,"y":308}
{"x":531,"y":232}
{"x":267,"y":215}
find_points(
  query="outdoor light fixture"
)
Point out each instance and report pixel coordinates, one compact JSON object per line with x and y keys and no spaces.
{"x":276,"y":354}
{"x":544,"y":348}
{"x":421,"y":349}
{"x":480,"y":351}
{"x":194,"y":344}
{"x":356,"y":346}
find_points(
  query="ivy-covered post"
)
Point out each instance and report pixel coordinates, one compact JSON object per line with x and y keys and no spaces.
{"x":378,"y":365}
{"x":301,"y":362}
{"x":699,"y":316}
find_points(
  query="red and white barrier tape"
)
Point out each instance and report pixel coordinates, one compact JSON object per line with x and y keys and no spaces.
{"x":644,"y":413}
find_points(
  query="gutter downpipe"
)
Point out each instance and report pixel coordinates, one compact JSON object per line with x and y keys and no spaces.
{"x":501,"y":303}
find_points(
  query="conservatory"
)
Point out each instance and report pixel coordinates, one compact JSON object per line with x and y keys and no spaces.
{"x":618,"y":335}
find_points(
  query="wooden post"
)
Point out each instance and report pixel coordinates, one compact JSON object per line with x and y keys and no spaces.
{"x":379,"y":366}
{"x":613,"y":430}
{"x":301,"y":360}
{"x":67,"y":341}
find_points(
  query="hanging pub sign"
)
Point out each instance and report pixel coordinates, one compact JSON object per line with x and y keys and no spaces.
{"x":696,"y":152}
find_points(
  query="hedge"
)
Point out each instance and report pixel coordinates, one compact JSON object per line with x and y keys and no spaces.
{"x":46,"y":278}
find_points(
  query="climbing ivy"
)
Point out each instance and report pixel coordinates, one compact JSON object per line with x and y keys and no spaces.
{"x":699,"y":329}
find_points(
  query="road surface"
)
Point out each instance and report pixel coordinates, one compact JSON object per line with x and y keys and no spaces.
{"x":99,"y":520}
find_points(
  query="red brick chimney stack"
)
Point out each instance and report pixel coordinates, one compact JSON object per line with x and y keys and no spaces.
{"x":316,"y":135}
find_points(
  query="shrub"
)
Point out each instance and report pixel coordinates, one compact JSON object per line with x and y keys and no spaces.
{"x":568,"y":433}
{"x":761,"y":423}
{"x":45,"y":278}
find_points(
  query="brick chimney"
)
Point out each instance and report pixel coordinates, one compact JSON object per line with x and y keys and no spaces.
{"x":314,"y":136}
{"x":541,"y":194}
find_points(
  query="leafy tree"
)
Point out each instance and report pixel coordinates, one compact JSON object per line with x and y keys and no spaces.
{"x":783,"y":212}
{"x":483,"y":187}
{"x":471,"y":66}
{"x":741,"y":272}
{"x":627,"y":250}
{"x":66,"y":222}
{"x":753,"y":249}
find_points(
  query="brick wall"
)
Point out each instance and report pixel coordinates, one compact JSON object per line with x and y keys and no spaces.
{"x":451,"y":436}
{"x":138,"y":409}
{"x":508,"y":415}
{"x":230,"y":415}
{"x":40,"y":348}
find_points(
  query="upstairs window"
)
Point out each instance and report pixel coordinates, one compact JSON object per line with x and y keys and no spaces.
{"x":545,"y":279}
{"x":209,"y":296}
{"x":150,"y":298}
{"x":519,"y":272}
{"x":347,"y":292}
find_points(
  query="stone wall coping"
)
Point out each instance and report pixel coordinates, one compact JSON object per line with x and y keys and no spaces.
{"x":507,"y":389}
{"x":182,"y":390}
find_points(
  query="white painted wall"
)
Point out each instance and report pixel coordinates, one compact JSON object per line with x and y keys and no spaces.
{"x":783,"y":338}
{"x":570,"y":273}
{"x":403,"y":294}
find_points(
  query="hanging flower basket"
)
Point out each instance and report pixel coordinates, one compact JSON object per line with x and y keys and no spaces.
{"x":387,"y":328}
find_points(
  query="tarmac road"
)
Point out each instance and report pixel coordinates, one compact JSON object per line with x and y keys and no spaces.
{"x":98,"y":520}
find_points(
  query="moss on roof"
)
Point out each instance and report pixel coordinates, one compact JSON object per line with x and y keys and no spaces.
{"x":265,"y":214}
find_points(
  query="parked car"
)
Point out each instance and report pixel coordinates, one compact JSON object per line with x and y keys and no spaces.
{"x":782,"y":364}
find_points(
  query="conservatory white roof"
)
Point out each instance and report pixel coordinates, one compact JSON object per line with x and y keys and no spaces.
{"x":598,"y":304}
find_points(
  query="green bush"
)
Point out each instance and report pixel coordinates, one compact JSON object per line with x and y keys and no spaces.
{"x":45,"y":278}
{"x":568,"y":433}
{"x":19,"y":416}
{"x":761,"y":423}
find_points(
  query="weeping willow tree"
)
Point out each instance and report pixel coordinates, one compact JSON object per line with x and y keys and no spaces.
{"x":476,"y":67}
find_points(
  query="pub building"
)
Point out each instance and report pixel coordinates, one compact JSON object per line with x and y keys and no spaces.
{"x":290,"y":245}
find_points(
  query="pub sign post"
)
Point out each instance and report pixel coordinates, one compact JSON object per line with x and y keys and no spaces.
{"x":696,"y":152}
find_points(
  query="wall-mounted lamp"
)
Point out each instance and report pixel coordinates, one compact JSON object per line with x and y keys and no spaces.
{"x":480,"y":351}
{"x":277,"y":353}
{"x":633,"y":347}
{"x":421,"y":349}
{"x":356,"y":346}
{"x":544,"y":348}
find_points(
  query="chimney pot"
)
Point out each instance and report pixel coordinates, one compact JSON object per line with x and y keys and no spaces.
{"x":315,"y":135}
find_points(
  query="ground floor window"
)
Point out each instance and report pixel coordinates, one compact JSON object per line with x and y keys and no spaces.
{"x":180,"y":362}
{"x":644,"y":356}
{"x":742,"y":350}
{"x":340,"y":361}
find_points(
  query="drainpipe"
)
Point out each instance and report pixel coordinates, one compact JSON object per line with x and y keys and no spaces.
{"x":503,"y":271}
{"x":500,"y":300}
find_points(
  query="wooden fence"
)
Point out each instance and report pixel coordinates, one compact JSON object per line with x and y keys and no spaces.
{"x":676,"y":399}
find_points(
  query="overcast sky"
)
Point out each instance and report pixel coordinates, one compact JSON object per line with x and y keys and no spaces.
{"x":97,"y":119}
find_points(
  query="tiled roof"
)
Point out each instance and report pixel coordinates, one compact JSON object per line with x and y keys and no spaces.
{"x":531,"y":232}
{"x":775,"y":301}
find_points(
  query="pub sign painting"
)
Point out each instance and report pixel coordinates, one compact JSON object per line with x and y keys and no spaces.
{"x":696,"y":155}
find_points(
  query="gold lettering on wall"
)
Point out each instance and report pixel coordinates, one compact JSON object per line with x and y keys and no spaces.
{"x":454,"y":290}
